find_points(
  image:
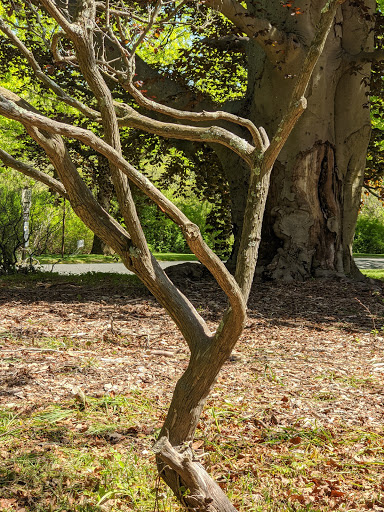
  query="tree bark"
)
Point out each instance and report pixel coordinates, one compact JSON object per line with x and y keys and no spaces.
{"x":314,"y":197}
{"x":316,"y":183}
{"x":104,"y":186}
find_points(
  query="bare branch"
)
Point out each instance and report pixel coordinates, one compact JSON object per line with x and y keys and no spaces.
{"x":40,"y":23}
{"x":173,"y":13}
{"x":193,"y":116}
{"x":34,"y":173}
{"x":204,"y":116}
{"x":82,"y":39}
{"x":55,"y":50}
{"x":132,"y":15}
{"x":107,"y":14}
{"x":151,"y":20}
{"x":57,"y":15}
{"x":120,"y":13}
{"x":373,"y":191}
{"x":190,"y":230}
{"x":283,"y":131}
{"x":211,"y":134}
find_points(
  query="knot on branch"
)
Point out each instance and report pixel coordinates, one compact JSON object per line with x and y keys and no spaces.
{"x":302,"y":103}
{"x":135,"y":252}
{"x":191,"y":231}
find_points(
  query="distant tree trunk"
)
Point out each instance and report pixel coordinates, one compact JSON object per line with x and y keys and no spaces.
{"x":62,"y":249}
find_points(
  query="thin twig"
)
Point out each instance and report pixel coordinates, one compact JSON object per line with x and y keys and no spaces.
{"x":369,"y":312}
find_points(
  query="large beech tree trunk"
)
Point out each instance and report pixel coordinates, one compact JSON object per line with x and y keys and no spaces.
{"x":316,"y":183}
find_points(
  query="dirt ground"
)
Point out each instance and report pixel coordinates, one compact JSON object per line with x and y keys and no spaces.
{"x":311,"y":354}
{"x":311,"y":336}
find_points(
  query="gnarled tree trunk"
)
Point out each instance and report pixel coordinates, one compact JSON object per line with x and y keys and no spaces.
{"x":279,"y":112}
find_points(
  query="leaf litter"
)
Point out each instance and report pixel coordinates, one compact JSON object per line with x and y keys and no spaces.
{"x":294,"y":422}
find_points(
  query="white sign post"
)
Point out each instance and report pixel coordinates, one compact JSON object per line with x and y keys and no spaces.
{"x":26,"y":202}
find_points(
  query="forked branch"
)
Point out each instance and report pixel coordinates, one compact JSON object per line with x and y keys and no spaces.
{"x":190,"y":230}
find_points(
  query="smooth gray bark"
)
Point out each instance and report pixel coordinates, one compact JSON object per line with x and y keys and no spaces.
{"x":316,"y":183}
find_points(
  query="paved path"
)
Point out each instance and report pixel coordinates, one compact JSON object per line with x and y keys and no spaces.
{"x":370,"y":263}
{"x":82,"y":268}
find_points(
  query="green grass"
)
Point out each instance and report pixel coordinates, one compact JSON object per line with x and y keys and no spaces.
{"x":62,"y":457}
{"x":377,"y":273}
{"x":281,"y":468}
{"x":50,"y":259}
{"x":363,"y":255}
{"x":170,"y":256}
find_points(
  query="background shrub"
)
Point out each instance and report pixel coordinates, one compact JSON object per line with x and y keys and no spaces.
{"x":369,"y":236}
{"x":48,"y":211}
{"x":46,"y":226}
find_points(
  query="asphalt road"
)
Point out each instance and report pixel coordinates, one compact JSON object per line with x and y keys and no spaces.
{"x":370,"y":263}
{"x":83,"y":268}
{"x":118,"y":268}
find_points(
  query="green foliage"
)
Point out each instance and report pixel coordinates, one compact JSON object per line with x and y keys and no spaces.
{"x":45,"y":225}
{"x":162,"y":234}
{"x":198,"y":172}
{"x":369,"y":236}
{"x":47,"y":212}
{"x":204,"y":58}
{"x":47,"y":218}
{"x":375,"y":158}
{"x":193,"y":176}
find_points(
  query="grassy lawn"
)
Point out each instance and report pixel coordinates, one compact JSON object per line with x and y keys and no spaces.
{"x":63,"y":457}
{"x":377,"y":273}
{"x":46,"y":259}
{"x":363,"y":255}
{"x":49,"y":259}
{"x":171,"y":256}
{"x":97,"y":457}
